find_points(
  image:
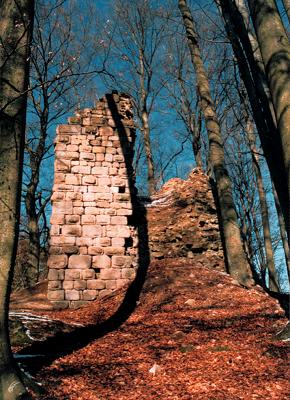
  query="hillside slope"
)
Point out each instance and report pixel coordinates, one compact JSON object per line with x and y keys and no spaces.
{"x":194,"y":334}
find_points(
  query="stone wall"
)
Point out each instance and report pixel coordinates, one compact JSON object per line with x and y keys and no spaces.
{"x":93,"y":247}
{"x":182,"y":222}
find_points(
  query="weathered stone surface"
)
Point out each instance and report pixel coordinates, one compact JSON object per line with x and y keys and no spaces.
{"x":80,"y":262}
{"x":57,"y":261}
{"x":55,"y":295}
{"x":91,"y":204}
{"x":90,"y":294}
{"x":97,"y":284}
{"x":101,"y":261}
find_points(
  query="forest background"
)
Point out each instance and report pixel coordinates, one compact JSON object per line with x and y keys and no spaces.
{"x":82,"y":50}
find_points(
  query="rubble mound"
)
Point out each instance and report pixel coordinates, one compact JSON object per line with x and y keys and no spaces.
{"x":182,"y":221}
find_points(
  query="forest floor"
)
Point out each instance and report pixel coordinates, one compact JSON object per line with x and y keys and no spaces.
{"x":194,"y":334}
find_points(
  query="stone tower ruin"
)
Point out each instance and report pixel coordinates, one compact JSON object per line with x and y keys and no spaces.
{"x":93,"y":242}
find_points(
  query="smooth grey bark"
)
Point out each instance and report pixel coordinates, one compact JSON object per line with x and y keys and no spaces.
{"x":275,"y":50}
{"x":145,"y":127}
{"x":238,"y":265}
{"x":16,"y":26}
{"x":286,"y":4}
{"x":252,"y":72}
{"x":273,"y":279}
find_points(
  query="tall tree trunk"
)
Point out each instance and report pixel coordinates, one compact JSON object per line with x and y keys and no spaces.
{"x":261,"y":104}
{"x":16,"y":25}
{"x":146,"y":129}
{"x":275,"y":50}
{"x":238,"y":265}
{"x":283,"y":233}
{"x":286,"y":4}
{"x":273,"y":279}
{"x":193,"y":125}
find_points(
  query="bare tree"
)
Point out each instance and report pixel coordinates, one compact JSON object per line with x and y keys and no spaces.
{"x":136,"y":37}
{"x":254,"y":70}
{"x":61,"y":71}
{"x":16,"y":21}
{"x":238,"y":265}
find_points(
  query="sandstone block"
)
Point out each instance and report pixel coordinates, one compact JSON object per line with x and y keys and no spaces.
{"x":110,"y":273}
{"x":88,"y":274}
{"x":54,"y":230}
{"x":92,"y":231}
{"x":78,"y":210}
{"x":88,"y":219}
{"x":109,"y":157}
{"x":83,"y":250}
{"x":62,"y":240}
{"x":57,"y":261}
{"x":81,"y":169}
{"x":59,"y":179}
{"x":72,"y":294}
{"x":105,"y":241}
{"x":92,"y":210}
{"x":103,"y":219}
{"x":72,"y":179}
{"x":124,"y":211}
{"x":118,"y":242}
{"x":90,"y":294}
{"x":94,"y":250}
{"x":106,"y":131}
{"x":74,"y":196}
{"x":57,"y":196}
{"x":67,"y":155}
{"x":63,"y":207}
{"x":100,"y":157}
{"x":87,"y":156}
{"x":61,"y":165}
{"x":56,"y":218}
{"x":116,"y":231}
{"x":80,"y":261}
{"x":122,"y":197}
{"x":104,"y":181}
{"x":88,"y":180}
{"x":80,"y":284}
{"x":76,"y":139}
{"x":104,"y":293}
{"x":101,"y":171}
{"x":114,"y":250}
{"x":55,"y":295}
{"x":113,"y":171}
{"x":99,"y":150}
{"x":111,"y":284}
{"x":68,"y":285}
{"x":85,"y":148}
{"x":96,"y":284}
{"x":71,"y":275}
{"x":67,"y":249}
{"x":88,"y":197}
{"x":72,"y":219}
{"x":101,"y":261}
{"x":128,"y":273}
{"x":62,"y":139}
{"x":72,"y":147}
{"x":62,"y":187}
{"x":68,"y":129}
{"x":54,"y":285}
{"x":55,"y":275}
{"x":121,"y":261}
{"x":119,"y":220}
{"x":72,"y":230}
{"x":84,"y":241}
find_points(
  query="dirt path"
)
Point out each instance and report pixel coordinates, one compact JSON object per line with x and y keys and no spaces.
{"x":193,"y":335}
